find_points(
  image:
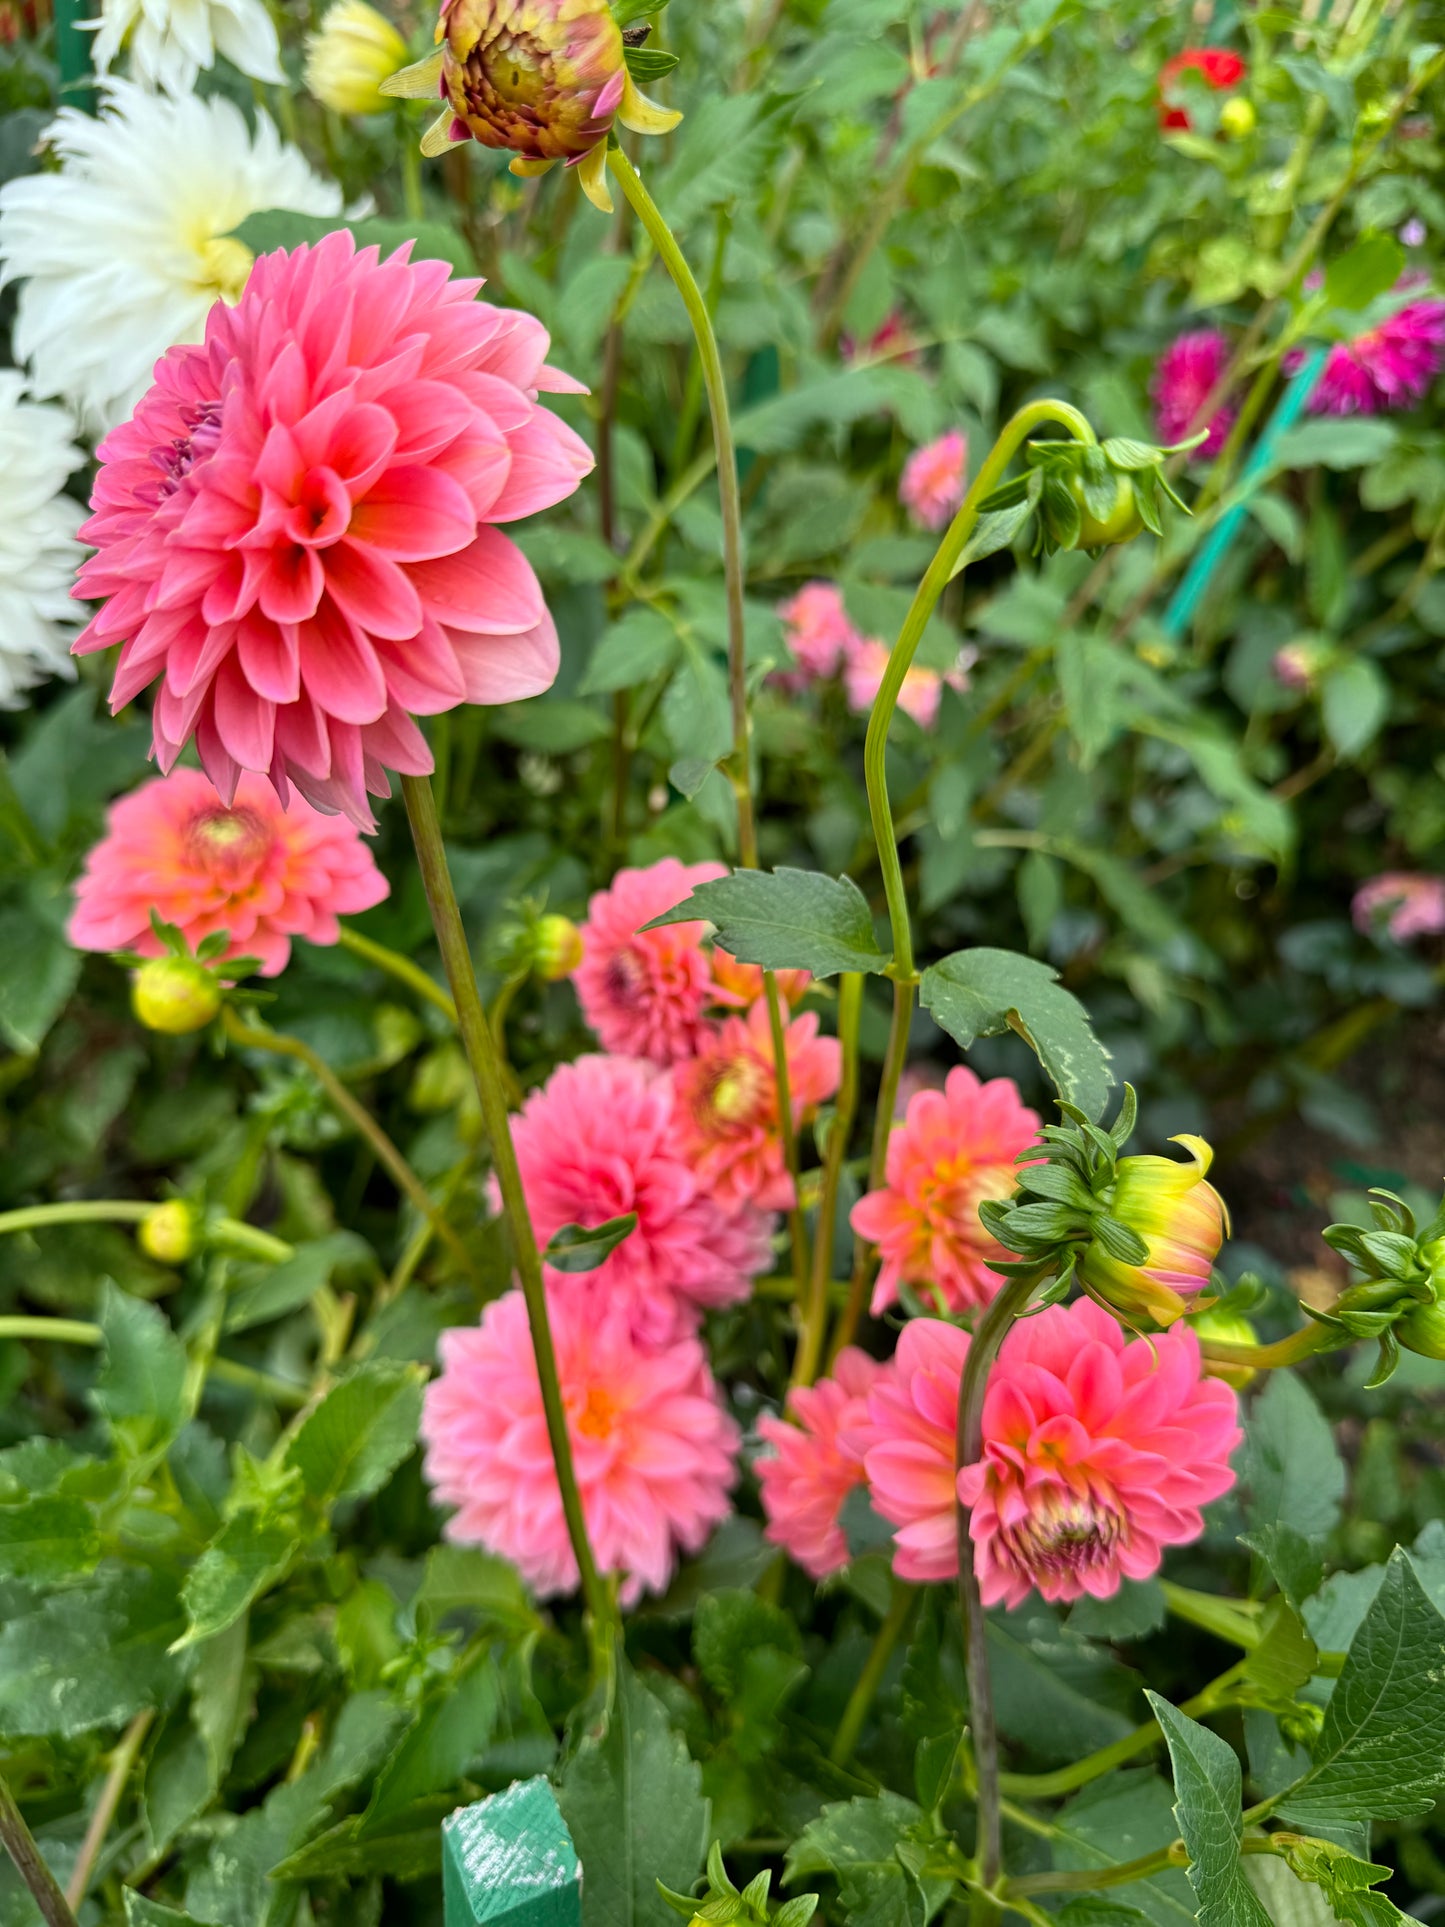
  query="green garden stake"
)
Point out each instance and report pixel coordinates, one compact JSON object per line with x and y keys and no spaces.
{"x":511,"y":1859}
{"x":73,"y":54}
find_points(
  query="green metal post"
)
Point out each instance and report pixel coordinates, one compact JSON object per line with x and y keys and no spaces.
{"x":72,"y":53}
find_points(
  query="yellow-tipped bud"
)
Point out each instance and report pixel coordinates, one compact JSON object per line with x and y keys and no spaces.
{"x":1237,"y":118}
{"x":168,"y":1233}
{"x":355,"y":50}
{"x":557,"y":948}
{"x":174,"y":995}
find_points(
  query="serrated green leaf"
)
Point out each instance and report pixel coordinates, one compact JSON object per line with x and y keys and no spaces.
{"x":141,"y":1383}
{"x":858,"y":1842}
{"x":91,"y":1657}
{"x":1207,"y":1789}
{"x":983,"y":992}
{"x":465,"y":1579}
{"x":1293,"y":1472}
{"x":140,"y":1912}
{"x":47,"y":1539}
{"x":248,"y":1555}
{"x":1364,"y":272}
{"x":1346,"y":1882}
{"x":786,"y":920}
{"x":452,"y":1727}
{"x":277,"y":1290}
{"x":641,"y":644}
{"x":1285,"y":1657}
{"x":353,"y":1441}
{"x":995,"y":529}
{"x":1336,"y":441}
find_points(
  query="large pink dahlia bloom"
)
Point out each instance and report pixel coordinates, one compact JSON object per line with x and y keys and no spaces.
{"x":646,"y":992}
{"x":295,"y":529}
{"x":811,"y":1469}
{"x":600,"y":1140}
{"x":1098,"y":1452}
{"x":954,"y":1149}
{"x":261,"y":873}
{"x":654,"y":1450}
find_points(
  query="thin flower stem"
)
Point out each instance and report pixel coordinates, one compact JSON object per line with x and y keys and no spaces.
{"x":121,"y":1762}
{"x":815,"y":1314}
{"x":1086,"y":1879}
{"x":59,"y":1331}
{"x":895,"y":1620}
{"x":402,"y":968}
{"x":37,"y":1217}
{"x":1304,"y":1343}
{"x":797,"y":1230}
{"x":254,"y":1035}
{"x":480,"y":1045}
{"x":893,"y":1062}
{"x":1233,"y":1620}
{"x":19,"y":1843}
{"x":280,"y":1391}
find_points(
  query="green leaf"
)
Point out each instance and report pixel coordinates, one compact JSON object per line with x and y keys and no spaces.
{"x":995,"y":529}
{"x":859,"y":1843}
{"x":1285,"y":1657}
{"x":981,"y":993}
{"x":1364,"y":272}
{"x":91,"y":1657}
{"x":641,"y":644}
{"x":632,"y":1799}
{"x":624,"y":12}
{"x":787,"y":920}
{"x":1381,"y":1752}
{"x":1293,"y":1560}
{"x":1346,"y":1882}
{"x":248,"y":1555}
{"x":47,"y":1539}
{"x":574,"y":1248}
{"x":281,"y":228}
{"x":454,"y":1726}
{"x":1097,"y":1910}
{"x":1336,"y":441}
{"x":38,"y":971}
{"x":1055,"y":1692}
{"x":1295,"y":1475}
{"x":140,"y":1387}
{"x":1207,"y":1807}
{"x":464,"y":1579}
{"x":349,"y":1446}
{"x":274,"y":1291}
{"x":1135,"y":1610}
{"x":1354,"y":704}
{"x":1093,"y":674}
{"x":649,"y":63}
{"x":140,"y":1912}
{"x":1287,"y":1900}
{"x":1119,"y":1819}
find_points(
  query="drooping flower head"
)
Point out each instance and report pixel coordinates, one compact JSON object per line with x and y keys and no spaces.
{"x":655,"y":1453}
{"x":728,"y":1124}
{"x":819,"y":634}
{"x":1408,"y":906}
{"x":954,"y":1148}
{"x":811,"y":1470}
{"x":170,"y":41}
{"x":1219,"y":69}
{"x":922,"y":690}
{"x":261,"y":873}
{"x":934,"y":480}
{"x":351,"y":53}
{"x":1180,"y":1217}
{"x":1185,"y":377}
{"x":1098,"y":1452}
{"x":600,"y":1140}
{"x":1390,"y":366}
{"x":38,"y":549}
{"x":296,"y":531}
{"x":906,"y":1441}
{"x":646,"y":992}
{"x":122,"y":252}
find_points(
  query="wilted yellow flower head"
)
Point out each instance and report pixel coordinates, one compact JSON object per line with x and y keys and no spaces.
{"x":352,"y":53}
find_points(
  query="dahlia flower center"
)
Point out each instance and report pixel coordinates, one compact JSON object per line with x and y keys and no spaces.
{"x":950,"y":1195}
{"x":735,"y":1091}
{"x":594,"y":1414}
{"x":516,"y":69}
{"x":177,"y":458}
{"x":225,"y":266}
{"x":1065,"y":1534}
{"x":229,"y":840}
{"x":626,"y":978}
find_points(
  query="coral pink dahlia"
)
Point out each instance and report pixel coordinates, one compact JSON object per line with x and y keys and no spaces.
{"x":250,"y":868}
{"x":728,"y":1126}
{"x":296,"y":529}
{"x":1098,"y":1453}
{"x":955,"y":1148}
{"x":934,"y":480}
{"x":600,"y":1140}
{"x":655,"y":1452}
{"x":819,"y":635}
{"x":1407,"y":905}
{"x":811,"y":1469}
{"x":922,"y":690}
{"x":1185,"y":376}
{"x":645,"y":992}
{"x":906,"y":1441}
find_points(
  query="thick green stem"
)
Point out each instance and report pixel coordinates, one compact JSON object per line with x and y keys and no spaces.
{"x":900,"y":1610}
{"x":19,"y":1843}
{"x":815,"y":1313}
{"x":1235,"y":1621}
{"x":1304,"y":1343}
{"x":58,"y":1331}
{"x":480,"y":1045}
{"x":38,"y":1217}
{"x":402,"y":968}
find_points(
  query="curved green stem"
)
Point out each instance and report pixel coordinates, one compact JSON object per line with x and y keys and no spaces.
{"x":61,"y":1331}
{"x":37,"y":1217}
{"x":1236,"y":1621}
{"x":121,"y":1762}
{"x":797,"y":1230}
{"x":815,"y":1313}
{"x":402,"y":968}
{"x":1305,"y":1343}
{"x":900,"y":1610}
{"x":481,"y":1048}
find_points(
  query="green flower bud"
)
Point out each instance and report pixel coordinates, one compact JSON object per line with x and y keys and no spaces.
{"x":557,"y":948}
{"x":174,"y":995}
{"x":168,"y":1233}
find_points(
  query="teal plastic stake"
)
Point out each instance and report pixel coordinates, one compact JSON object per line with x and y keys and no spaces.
{"x":1220,"y":539}
{"x":73,"y":46}
{"x":511,"y":1859}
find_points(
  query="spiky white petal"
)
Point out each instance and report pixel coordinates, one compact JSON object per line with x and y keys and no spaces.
{"x":170,"y":41}
{"x":38,"y":550}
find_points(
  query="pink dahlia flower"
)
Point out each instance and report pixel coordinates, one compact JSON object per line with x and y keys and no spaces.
{"x":906,"y":1441}
{"x":251,"y":868}
{"x":728,"y":1127}
{"x":1098,"y":1453}
{"x":935,"y":480}
{"x":955,"y":1148}
{"x":599,"y":1140}
{"x":1391,"y":366}
{"x":646,"y":992}
{"x":1408,"y":906}
{"x":1184,"y":378}
{"x":922,"y":690}
{"x":736,"y":985}
{"x":819,"y":635}
{"x":811,"y":1469}
{"x":295,"y":529}
{"x":654,"y":1450}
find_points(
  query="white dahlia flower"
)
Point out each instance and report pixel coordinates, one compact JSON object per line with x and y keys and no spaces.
{"x":170,"y":41}
{"x":38,"y":550}
{"x":123,"y":252}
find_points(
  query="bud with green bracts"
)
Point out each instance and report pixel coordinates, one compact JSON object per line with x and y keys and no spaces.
{"x":556,"y":948}
{"x":724,"y":1905}
{"x":1401,"y":1297}
{"x":175,"y":995}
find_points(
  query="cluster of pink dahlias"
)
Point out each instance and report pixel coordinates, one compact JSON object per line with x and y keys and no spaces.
{"x":824,"y":643}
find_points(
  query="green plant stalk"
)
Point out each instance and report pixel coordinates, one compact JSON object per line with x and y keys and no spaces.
{"x":402,"y":968}
{"x":479,"y":1043}
{"x":59,"y":1331}
{"x":1233,"y":1620}
{"x":815,"y":1313}
{"x":121,"y":1762}
{"x":19,"y":1843}
{"x":797,"y":1230}
{"x":895,"y":1620}
{"x":1304,"y":1343}
{"x":1124,"y":1872}
{"x":983,"y":1349}
{"x":37,"y":1217}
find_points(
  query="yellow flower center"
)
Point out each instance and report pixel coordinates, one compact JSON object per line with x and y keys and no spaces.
{"x":225,"y":265}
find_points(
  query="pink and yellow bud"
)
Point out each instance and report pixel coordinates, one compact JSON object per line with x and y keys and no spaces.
{"x":1181,"y":1220}
{"x":174,"y":995}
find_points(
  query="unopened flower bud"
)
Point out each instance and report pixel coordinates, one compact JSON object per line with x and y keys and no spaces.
{"x":1237,"y":118}
{"x":1181,"y":1221}
{"x":174,"y":995}
{"x":168,"y":1233}
{"x":353,"y":51}
{"x":1225,"y":1328}
{"x":1422,"y":1330}
{"x":557,"y":948}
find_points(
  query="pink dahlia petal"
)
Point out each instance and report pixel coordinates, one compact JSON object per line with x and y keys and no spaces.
{"x":645,"y":992}
{"x":934,"y":480}
{"x":1184,"y":378}
{"x":812,"y":1469}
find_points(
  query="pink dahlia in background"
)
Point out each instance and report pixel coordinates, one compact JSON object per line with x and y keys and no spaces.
{"x":935,"y":480}
{"x":251,"y":868}
{"x":599,"y":1140}
{"x":1391,"y":366}
{"x":295,"y":529}
{"x":817,"y":630}
{"x":922,"y":690}
{"x":1185,"y":376}
{"x":654,"y":1450}
{"x":906,"y":1442}
{"x":811,"y":1470}
{"x":646,"y":992}
{"x":736,"y":985}
{"x":1408,"y":906}
{"x":1098,"y":1453}
{"x":728,"y":1127}
{"x":955,"y":1148}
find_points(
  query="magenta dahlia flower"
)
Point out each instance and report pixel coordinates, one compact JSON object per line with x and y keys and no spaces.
{"x":811,"y":1469}
{"x":1185,"y":376}
{"x":654,"y":1450}
{"x":1388,"y":367}
{"x":599,"y":1140}
{"x":646,"y":992}
{"x":259,"y":872}
{"x":296,"y":528}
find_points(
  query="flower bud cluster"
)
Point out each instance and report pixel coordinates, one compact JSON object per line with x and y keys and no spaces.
{"x":724,"y":1905}
{"x":1400,"y":1299}
{"x":1086,"y":495}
